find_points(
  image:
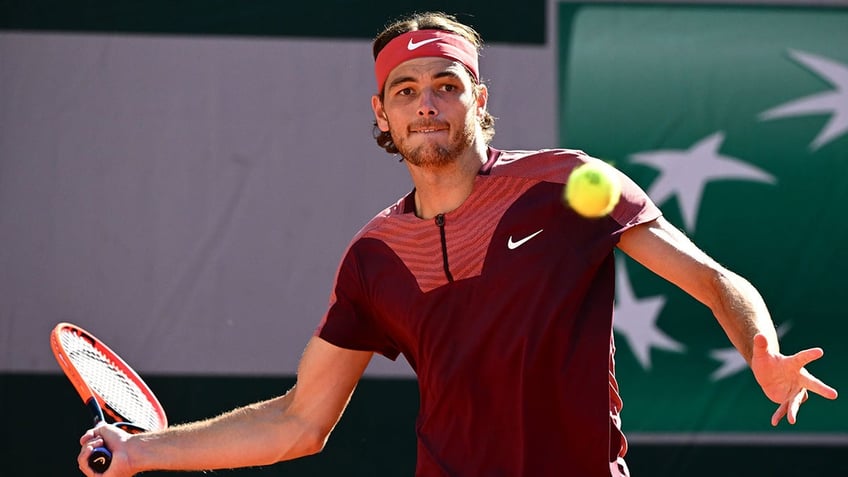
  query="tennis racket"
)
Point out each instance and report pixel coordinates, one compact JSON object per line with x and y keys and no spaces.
{"x":111,"y":390}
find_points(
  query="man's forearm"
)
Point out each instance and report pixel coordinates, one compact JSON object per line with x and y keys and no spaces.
{"x":254,"y":435}
{"x":742,"y":313}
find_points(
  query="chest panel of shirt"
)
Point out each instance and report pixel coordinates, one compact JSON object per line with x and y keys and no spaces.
{"x":470,"y":231}
{"x":504,"y":267}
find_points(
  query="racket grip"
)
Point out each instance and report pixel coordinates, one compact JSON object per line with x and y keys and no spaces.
{"x":100,"y":459}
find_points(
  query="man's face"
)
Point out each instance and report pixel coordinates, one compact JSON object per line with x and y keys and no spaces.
{"x":431,"y":110}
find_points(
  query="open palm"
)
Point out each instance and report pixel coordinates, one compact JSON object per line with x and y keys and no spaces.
{"x":785,"y":380}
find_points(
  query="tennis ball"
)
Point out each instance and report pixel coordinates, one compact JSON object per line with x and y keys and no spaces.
{"x":592,"y":189}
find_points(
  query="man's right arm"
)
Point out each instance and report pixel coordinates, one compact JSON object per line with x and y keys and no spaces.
{"x":282,"y":428}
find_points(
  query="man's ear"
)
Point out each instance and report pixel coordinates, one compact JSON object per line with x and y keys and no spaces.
{"x":379,"y":113}
{"x":482,"y":99}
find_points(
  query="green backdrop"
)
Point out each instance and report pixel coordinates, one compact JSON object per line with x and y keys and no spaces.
{"x":735,"y":120}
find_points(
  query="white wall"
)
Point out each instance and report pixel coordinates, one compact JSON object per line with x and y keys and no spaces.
{"x":188,"y":199}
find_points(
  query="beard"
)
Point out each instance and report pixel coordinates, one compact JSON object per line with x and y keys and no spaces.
{"x":435,"y":154}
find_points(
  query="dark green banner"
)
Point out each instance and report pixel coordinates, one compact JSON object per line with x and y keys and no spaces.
{"x":735,"y":120}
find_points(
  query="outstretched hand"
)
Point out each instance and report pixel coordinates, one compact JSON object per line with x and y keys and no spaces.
{"x":785,"y":380}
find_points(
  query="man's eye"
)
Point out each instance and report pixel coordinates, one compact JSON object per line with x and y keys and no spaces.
{"x":404,"y":92}
{"x":449,"y":87}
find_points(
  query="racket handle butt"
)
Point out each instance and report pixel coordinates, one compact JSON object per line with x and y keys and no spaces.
{"x":100,"y":459}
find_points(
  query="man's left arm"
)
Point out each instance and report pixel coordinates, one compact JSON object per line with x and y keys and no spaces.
{"x":738,"y":307}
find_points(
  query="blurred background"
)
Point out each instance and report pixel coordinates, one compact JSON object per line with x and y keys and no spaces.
{"x":181,"y":178}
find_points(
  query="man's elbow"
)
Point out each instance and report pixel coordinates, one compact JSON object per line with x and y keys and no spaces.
{"x":309,"y":441}
{"x":315,"y":442}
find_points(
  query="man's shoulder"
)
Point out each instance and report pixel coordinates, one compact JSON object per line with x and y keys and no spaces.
{"x":542,"y":164}
{"x":399,"y":209}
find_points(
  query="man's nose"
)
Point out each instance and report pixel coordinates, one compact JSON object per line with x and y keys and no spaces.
{"x":427,"y":105}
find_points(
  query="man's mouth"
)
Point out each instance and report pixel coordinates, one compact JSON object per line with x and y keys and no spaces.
{"x":430,"y":128}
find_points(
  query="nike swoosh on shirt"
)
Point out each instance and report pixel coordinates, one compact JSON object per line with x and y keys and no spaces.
{"x":412,"y":45}
{"x":512,"y":245}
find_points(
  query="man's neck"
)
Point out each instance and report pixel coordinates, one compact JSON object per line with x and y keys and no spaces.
{"x":439,"y":190}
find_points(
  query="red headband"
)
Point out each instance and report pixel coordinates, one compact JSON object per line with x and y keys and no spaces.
{"x":421,"y":43}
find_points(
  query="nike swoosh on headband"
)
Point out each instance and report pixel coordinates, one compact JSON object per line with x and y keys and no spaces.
{"x":412,"y":45}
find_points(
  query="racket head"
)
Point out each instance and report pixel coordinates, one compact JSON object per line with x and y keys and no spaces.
{"x":97,"y":372}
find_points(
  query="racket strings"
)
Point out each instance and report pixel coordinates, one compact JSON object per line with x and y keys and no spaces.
{"x":110,"y":382}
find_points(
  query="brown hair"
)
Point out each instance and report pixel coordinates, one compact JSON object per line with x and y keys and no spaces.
{"x":427,"y":21}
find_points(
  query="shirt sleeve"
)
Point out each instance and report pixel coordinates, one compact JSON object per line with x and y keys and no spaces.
{"x":634,"y":207}
{"x":351,"y":321}
{"x":555,"y":165}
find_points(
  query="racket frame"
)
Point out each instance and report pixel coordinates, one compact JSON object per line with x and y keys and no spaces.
{"x":101,"y":457}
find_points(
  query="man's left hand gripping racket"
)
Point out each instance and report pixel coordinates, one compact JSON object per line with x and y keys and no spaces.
{"x":111,"y":389}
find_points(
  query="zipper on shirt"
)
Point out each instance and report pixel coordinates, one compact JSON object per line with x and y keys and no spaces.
{"x":440,"y":222}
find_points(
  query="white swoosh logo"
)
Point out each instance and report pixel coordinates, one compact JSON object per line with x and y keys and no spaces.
{"x":412,"y":45}
{"x":514,"y":245}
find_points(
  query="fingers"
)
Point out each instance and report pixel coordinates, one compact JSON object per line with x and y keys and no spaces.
{"x":760,"y":341}
{"x":85,"y":452}
{"x":815,"y":385}
{"x":807,"y":356}
{"x":778,"y":414}
{"x":89,"y":435}
{"x":93,"y":433}
{"x":795,"y":405}
{"x":789,"y":408}
{"x":760,"y":344}
{"x":88,"y":442}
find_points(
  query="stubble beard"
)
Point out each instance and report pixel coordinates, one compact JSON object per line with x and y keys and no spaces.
{"x":432,"y":154}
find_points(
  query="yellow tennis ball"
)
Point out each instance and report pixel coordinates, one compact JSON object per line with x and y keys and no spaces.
{"x":592,"y":189}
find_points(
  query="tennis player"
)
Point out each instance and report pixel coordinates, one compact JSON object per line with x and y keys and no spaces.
{"x":500,"y":298}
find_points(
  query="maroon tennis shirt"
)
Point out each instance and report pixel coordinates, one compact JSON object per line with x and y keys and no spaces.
{"x":503,"y":307}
